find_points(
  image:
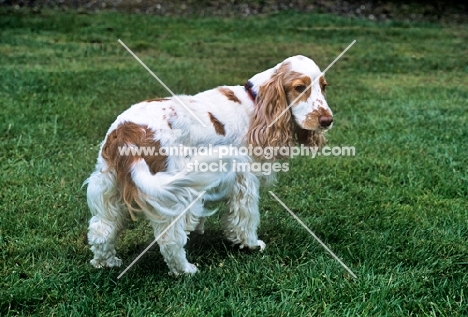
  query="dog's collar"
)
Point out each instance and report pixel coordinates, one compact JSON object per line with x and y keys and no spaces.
{"x":248,"y":88}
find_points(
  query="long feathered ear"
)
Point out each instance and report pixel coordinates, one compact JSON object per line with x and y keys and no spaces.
{"x":271,"y":102}
{"x":310,"y":138}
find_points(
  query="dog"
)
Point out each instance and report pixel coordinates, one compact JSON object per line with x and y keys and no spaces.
{"x":275,"y":108}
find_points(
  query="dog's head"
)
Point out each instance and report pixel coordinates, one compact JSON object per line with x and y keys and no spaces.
{"x":290,"y":105}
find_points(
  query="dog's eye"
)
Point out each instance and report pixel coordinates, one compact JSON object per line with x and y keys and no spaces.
{"x":300,"y":88}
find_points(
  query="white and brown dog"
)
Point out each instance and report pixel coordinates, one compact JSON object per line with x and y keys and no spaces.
{"x":161,"y":187}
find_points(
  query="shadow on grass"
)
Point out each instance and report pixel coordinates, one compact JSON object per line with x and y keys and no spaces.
{"x":204,"y":250}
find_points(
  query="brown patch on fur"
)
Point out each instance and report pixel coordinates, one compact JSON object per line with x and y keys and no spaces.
{"x":323,"y":83}
{"x":218,"y":126}
{"x":272,"y":99}
{"x":129,"y":134}
{"x":158,"y":99}
{"x":229,"y":94}
{"x":311,"y":121}
{"x":292,"y":89}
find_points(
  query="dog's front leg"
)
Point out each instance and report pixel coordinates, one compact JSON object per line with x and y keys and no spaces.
{"x":241,"y":221}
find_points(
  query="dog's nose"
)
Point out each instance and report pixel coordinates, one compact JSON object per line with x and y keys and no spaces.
{"x":325,"y":121}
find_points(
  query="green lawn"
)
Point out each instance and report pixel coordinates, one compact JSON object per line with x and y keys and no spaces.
{"x":396,"y":213}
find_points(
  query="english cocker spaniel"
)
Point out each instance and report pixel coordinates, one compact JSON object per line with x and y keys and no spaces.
{"x":148,"y":162}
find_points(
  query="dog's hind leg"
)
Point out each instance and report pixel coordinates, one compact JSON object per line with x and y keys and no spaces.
{"x":172,"y":242}
{"x":241,"y":221}
{"x":108,"y":220}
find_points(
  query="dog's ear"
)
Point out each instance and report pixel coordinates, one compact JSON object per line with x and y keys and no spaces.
{"x":310,"y":138}
{"x":271,"y":101}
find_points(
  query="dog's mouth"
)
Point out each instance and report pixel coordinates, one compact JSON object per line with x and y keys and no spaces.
{"x":324,"y":129}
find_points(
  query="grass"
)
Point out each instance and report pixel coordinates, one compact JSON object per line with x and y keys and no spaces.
{"x":396,"y":213}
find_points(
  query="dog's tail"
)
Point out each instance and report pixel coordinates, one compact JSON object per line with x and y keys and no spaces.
{"x":172,"y":193}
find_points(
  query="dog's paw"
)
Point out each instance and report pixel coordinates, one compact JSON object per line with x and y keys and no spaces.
{"x":188,"y":269}
{"x":96,"y":263}
{"x":259,"y":245}
{"x":115,"y":261}
{"x":111,"y":262}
